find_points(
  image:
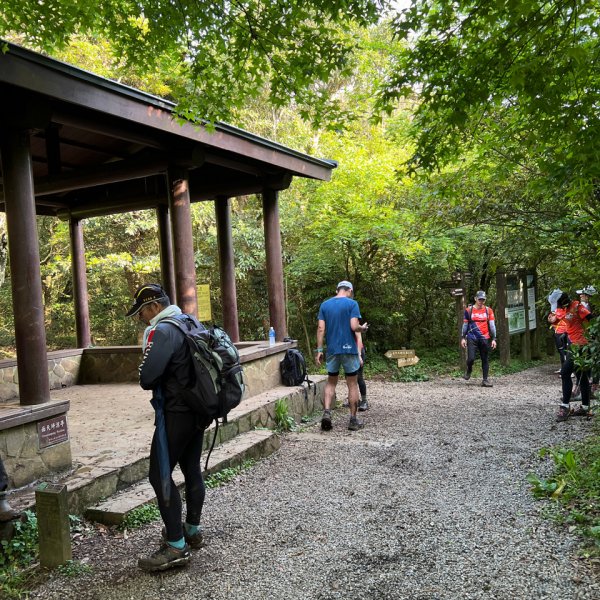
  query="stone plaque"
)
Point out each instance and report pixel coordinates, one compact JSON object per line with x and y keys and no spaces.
{"x":53,"y":431}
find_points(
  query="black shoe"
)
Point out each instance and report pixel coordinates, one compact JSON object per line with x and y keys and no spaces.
{"x":326,"y":421}
{"x":355,"y":424}
{"x":582,"y":411}
{"x":363,"y":405}
{"x":467,"y":375}
{"x":562,"y":414}
{"x":486,"y":383}
{"x":166,"y":557}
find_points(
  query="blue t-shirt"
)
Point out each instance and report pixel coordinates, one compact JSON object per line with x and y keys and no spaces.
{"x":337,"y":312}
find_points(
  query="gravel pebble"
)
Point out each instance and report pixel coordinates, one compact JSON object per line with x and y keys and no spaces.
{"x":428,"y":501}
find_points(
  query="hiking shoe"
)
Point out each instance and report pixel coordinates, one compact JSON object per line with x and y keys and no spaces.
{"x":363,"y":405}
{"x":355,"y":424}
{"x":562,"y":414}
{"x":582,"y":411}
{"x":326,"y":421}
{"x":486,"y":383}
{"x":166,"y":557}
{"x":467,"y":375}
{"x":193,"y":540}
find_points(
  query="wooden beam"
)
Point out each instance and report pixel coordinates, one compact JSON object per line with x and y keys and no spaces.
{"x":109,"y":173}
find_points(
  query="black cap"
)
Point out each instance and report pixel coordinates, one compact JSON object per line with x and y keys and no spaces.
{"x":145,"y":294}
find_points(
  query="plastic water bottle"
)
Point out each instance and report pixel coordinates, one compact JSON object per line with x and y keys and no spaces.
{"x":271,"y":336}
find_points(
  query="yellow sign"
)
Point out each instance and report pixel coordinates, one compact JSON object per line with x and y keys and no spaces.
{"x":406,"y":362}
{"x":204,"y":311}
{"x":399,"y":354}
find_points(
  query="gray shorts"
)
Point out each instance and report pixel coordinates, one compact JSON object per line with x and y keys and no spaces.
{"x":350,"y":363}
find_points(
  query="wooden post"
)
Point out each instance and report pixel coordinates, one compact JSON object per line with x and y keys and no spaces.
{"x":165,"y":244}
{"x":525,"y":338}
{"x":501,"y":319}
{"x":183,"y":242}
{"x":26,"y":281}
{"x":227,"y":268}
{"x":53,"y":524}
{"x":274,"y":263}
{"x":460,"y":317}
{"x":80,"y":288}
{"x":535,"y":334}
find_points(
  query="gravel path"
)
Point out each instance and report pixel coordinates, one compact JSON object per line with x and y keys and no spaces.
{"x":428,"y":501}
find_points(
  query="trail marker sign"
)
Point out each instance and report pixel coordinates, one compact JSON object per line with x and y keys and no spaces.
{"x":405,"y":357}
{"x":399,"y":353}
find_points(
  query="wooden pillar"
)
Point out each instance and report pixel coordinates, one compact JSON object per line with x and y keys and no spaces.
{"x":535,"y":334}
{"x":227,"y":268}
{"x":274,"y":263}
{"x":24,"y":253}
{"x":80,"y":288}
{"x":501,"y":320}
{"x":525,"y":337}
{"x":183,"y":242}
{"x":165,"y":241}
{"x":460,"y":317}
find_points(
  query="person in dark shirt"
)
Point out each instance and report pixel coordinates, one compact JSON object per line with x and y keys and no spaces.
{"x":166,"y":370}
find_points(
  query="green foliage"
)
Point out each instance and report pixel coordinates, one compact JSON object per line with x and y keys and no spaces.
{"x":588,"y":356}
{"x":283,"y":420}
{"x":219,"y":53}
{"x":140,"y":516}
{"x":575,"y":486}
{"x":22,"y":548}
{"x":226,"y":475}
{"x":74,"y":568}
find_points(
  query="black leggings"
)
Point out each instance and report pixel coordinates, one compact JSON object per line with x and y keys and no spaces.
{"x":362,"y":386}
{"x":185,"y":447}
{"x":483,"y":347}
{"x":560,"y":339}
{"x":3,"y":477}
{"x":583,"y":378}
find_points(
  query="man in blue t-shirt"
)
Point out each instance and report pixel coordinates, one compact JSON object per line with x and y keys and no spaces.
{"x":338,"y":322}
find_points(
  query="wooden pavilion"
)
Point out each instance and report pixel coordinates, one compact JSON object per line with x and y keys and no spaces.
{"x":74,"y":145}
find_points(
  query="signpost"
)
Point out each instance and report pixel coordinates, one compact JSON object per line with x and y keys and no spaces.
{"x":405,"y":357}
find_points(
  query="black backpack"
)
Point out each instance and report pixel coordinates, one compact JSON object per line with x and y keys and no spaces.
{"x":218,"y":381}
{"x":293,"y":370}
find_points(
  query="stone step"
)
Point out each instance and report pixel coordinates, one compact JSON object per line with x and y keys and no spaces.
{"x":110,"y":470}
{"x":250,"y":445}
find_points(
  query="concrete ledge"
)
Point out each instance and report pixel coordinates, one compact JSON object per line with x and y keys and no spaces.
{"x":13,"y":414}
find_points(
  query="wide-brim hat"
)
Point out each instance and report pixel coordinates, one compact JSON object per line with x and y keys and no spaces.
{"x":146,"y":294}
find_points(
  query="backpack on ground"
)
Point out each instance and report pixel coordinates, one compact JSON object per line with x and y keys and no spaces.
{"x":293,"y":370}
{"x":218,"y":381}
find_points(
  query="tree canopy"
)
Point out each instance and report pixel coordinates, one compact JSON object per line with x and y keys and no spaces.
{"x":219,"y":53}
{"x":518,"y":80}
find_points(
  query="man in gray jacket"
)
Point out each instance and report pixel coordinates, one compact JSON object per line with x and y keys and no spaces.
{"x":166,"y":370}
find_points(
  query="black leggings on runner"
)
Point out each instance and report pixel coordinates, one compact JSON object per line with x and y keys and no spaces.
{"x":185,"y":447}
{"x":362,"y":386}
{"x":483,"y":347}
{"x":583,"y":379}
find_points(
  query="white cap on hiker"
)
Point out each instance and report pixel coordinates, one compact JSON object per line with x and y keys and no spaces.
{"x":344,"y":284}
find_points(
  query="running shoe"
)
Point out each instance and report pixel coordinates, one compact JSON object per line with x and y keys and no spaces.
{"x":166,"y":557}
